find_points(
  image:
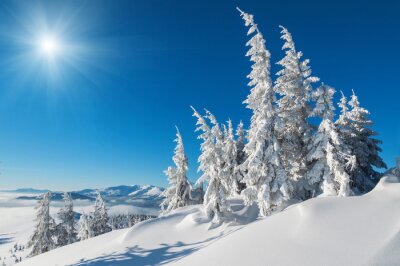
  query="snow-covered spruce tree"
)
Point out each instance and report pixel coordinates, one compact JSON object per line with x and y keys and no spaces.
{"x":294,"y":85}
{"x":229,"y":154}
{"x":42,"y":239}
{"x":240,"y":158}
{"x":266,"y":181}
{"x":178,"y":193}
{"x":85,"y":227}
{"x":323,"y":98}
{"x":100,"y":217}
{"x":328,"y":152}
{"x":218,"y":191}
{"x":210,"y":159}
{"x":365,"y":148}
{"x":343,"y":122}
{"x":65,"y":230}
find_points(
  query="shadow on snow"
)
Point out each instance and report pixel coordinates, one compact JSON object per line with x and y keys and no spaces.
{"x":138,"y":256}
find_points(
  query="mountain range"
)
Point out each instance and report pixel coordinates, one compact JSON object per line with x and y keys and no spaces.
{"x":147,"y":196}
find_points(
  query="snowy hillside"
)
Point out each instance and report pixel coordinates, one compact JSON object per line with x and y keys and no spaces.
{"x":18,"y":213}
{"x":359,"y":230}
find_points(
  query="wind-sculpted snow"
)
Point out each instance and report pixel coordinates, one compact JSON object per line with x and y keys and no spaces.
{"x":362,"y":230}
{"x":359,"y":230}
{"x":157,"y":241}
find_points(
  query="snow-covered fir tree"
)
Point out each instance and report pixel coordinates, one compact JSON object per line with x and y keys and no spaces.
{"x":240,"y":158}
{"x":178,"y":193}
{"x":316,"y":157}
{"x":294,"y":85}
{"x":85,"y":227}
{"x":100,"y":217}
{"x":219,"y":190}
{"x":266,"y":181}
{"x":66,"y":232}
{"x":42,"y":239}
{"x":343,"y":122}
{"x":211,"y":162}
{"x":324,"y":106}
{"x":364,"y":146}
{"x":328,"y":153}
{"x":229,"y":153}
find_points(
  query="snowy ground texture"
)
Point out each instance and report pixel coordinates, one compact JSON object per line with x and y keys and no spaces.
{"x":360,"y":230}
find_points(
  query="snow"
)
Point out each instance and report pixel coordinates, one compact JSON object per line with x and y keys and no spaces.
{"x":147,"y":190}
{"x":17,"y":218}
{"x":154,"y":191}
{"x":362,"y":230}
{"x":151,"y":242}
{"x":359,"y":230}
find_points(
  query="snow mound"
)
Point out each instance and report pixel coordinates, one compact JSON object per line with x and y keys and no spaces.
{"x":360,"y":230}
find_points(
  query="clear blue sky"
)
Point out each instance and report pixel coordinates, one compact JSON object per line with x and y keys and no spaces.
{"x":102,"y":112}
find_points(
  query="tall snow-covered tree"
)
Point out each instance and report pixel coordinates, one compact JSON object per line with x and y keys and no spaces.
{"x":42,"y":239}
{"x":364,"y":146}
{"x":327,"y":152}
{"x":266,"y":181}
{"x":178,"y":194}
{"x":316,"y":157}
{"x":211,"y":161}
{"x":219,"y":190}
{"x":229,"y":157}
{"x":240,"y":157}
{"x":66,"y":232}
{"x":240,"y":143}
{"x":294,"y":85}
{"x":85,"y":227}
{"x":332,"y":165}
{"x":100,"y":217}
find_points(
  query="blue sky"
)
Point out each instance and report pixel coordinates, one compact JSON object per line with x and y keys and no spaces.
{"x":102,"y":111}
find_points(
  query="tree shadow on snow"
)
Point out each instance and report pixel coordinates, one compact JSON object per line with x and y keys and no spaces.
{"x":138,"y":256}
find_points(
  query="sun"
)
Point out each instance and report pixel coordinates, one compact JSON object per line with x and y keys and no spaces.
{"x":49,"y":46}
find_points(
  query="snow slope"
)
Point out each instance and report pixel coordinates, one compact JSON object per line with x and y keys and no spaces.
{"x":17,"y":219}
{"x":362,"y":230}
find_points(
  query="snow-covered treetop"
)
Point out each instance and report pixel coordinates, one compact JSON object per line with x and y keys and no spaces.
{"x":295,"y":79}
{"x":289,"y":43}
{"x":260,"y":79}
{"x":324,"y":107}
{"x":99,"y":203}
{"x":207,"y":156}
{"x":358,"y":114}
{"x":344,"y":109}
{"x":179,"y":157}
{"x":67,"y":199}
{"x":201,"y":125}
{"x":249,"y":21}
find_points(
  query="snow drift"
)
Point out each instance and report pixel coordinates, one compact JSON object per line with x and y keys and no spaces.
{"x":360,"y":230}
